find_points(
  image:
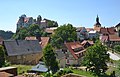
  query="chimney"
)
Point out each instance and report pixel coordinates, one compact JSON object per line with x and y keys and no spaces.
{"x":38,"y":36}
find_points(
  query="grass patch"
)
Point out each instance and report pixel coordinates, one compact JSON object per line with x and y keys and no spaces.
{"x":84,"y":73}
{"x":81,"y":72}
{"x":22,"y":68}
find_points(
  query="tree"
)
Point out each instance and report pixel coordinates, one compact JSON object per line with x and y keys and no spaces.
{"x":50,"y":59}
{"x":6,"y":34}
{"x":32,"y":30}
{"x":65,"y":33}
{"x":2,"y":56}
{"x":21,"y":34}
{"x":96,"y":57}
{"x":117,"y":48}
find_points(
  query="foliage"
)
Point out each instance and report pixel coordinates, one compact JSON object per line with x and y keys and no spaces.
{"x":2,"y":56}
{"x":95,"y":58}
{"x":117,"y":48}
{"x":62,"y":72}
{"x":52,"y":23}
{"x":6,"y":34}
{"x":50,"y":59}
{"x":65,"y":33}
{"x":32,"y":30}
{"x":22,"y":68}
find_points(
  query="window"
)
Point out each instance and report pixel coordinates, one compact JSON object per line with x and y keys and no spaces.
{"x":18,"y":57}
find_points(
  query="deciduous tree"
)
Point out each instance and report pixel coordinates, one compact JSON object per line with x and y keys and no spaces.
{"x":65,"y":33}
{"x":2,"y":56}
{"x":96,"y":57}
{"x":50,"y":59}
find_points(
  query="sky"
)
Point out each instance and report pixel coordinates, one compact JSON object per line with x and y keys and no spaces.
{"x":76,"y":12}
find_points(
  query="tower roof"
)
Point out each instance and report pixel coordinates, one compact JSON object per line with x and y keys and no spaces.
{"x":97,"y":22}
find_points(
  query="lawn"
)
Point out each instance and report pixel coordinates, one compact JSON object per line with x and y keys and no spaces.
{"x":81,"y":72}
{"x":22,"y":68}
{"x":84,"y":73}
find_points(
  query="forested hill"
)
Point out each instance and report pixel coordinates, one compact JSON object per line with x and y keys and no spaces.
{"x":6,"y":34}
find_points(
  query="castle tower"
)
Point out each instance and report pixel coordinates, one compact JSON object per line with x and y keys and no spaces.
{"x":39,"y":18}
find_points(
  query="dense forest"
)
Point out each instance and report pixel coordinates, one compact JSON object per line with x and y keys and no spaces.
{"x":6,"y":34}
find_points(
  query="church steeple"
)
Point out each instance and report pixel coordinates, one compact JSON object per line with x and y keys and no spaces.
{"x":97,"y":25}
{"x":97,"y":22}
{"x":97,"y":19}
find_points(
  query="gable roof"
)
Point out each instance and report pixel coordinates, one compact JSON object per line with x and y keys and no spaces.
{"x":5,"y":74}
{"x":106,"y":38}
{"x":22,"y":47}
{"x":73,"y":45}
{"x":51,"y":30}
{"x":117,"y":25}
{"x":114,"y":38}
{"x":110,"y":30}
{"x":44,"y":40}
{"x":89,"y":29}
{"x":87,"y":41}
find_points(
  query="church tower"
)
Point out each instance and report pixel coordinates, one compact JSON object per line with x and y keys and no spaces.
{"x":97,"y":25}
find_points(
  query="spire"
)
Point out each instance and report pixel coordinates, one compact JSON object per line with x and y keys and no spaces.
{"x":97,"y":19}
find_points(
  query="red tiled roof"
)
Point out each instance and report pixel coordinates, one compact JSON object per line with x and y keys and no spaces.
{"x":114,"y":38}
{"x":104,"y":31}
{"x":20,"y":76}
{"x":79,"y":29}
{"x":89,"y":29}
{"x":44,"y":41}
{"x":71,"y":46}
{"x":111,"y":30}
{"x":5,"y":74}
{"x":107,"y":30}
{"x":85,"y":41}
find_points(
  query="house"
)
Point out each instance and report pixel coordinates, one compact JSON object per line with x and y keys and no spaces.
{"x":60,"y":56}
{"x":87,"y":43}
{"x":109,"y":36}
{"x":44,"y":24}
{"x":108,"y":31}
{"x":43,"y":41}
{"x":93,"y":34}
{"x":51,"y":30}
{"x":23,"y":51}
{"x":89,"y":29}
{"x":82,"y":33}
{"x":110,"y":40}
{"x":117,"y":27}
{"x":74,"y":53}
